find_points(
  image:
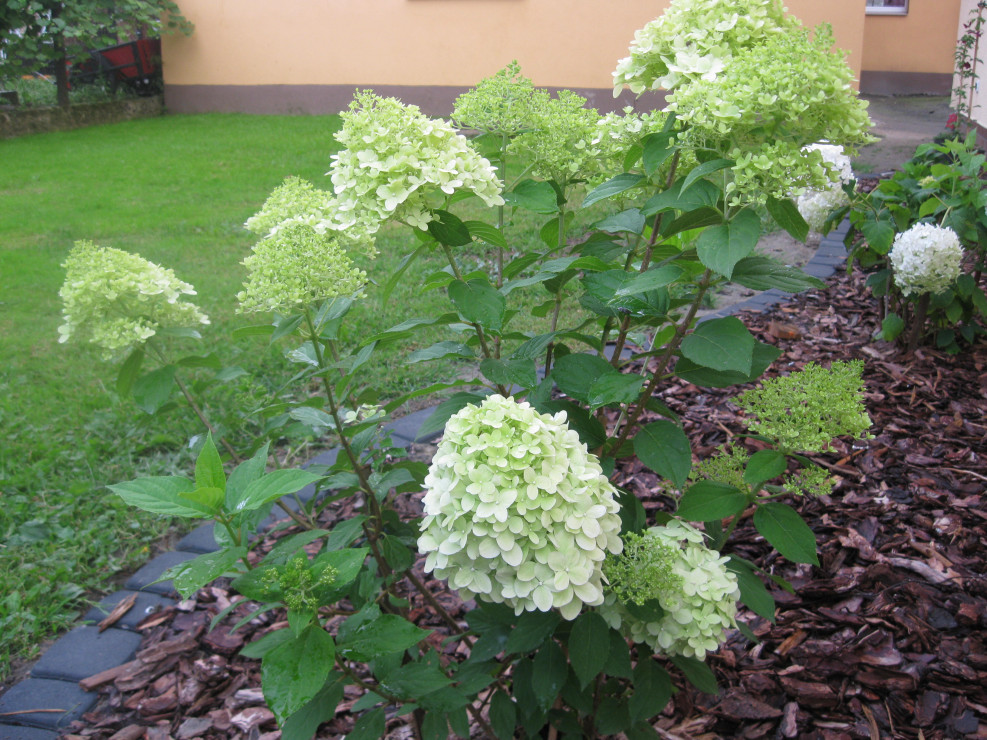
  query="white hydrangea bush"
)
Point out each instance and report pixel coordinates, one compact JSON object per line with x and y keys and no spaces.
{"x":517,"y":511}
{"x":118,"y":301}
{"x":926,"y":259}
{"x":698,"y":594}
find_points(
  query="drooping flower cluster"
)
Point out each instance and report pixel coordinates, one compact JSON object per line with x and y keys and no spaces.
{"x":395,"y":158}
{"x":805,"y":411}
{"x":297,"y":266}
{"x":926,"y":259}
{"x":557,"y":145}
{"x":504,"y":104}
{"x":816,"y":205}
{"x":696,"y":593}
{"x":517,"y":511}
{"x":729,"y":66}
{"x":118,"y":300}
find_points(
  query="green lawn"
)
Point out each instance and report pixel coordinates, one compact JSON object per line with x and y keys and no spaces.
{"x":176,"y":190}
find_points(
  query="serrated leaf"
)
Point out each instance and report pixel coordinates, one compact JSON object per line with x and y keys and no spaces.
{"x":753,"y":594}
{"x":758,"y":272}
{"x":415,"y":680}
{"x":294,"y":672}
{"x":710,"y":501}
{"x":699,"y":674}
{"x":538,"y":197}
{"x":440,"y":350}
{"x":273,"y":486}
{"x":706,"y":168}
{"x":437,"y":421}
{"x":652,"y":690}
{"x":503,"y":716}
{"x":652,"y":279}
{"x":209,"y":471}
{"x":630,"y":222}
{"x":161,"y":495}
{"x":764,"y":355}
{"x":891,"y":327}
{"x":702,"y":194}
{"x":665,"y":449}
{"x":153,"y":390}
{"x":448,"y":229}
{"x":192,"y":575}
{"x":879,"y":235}
{"x":782,"y":526}
{"x":786,"y":215}
{"x":763,"y":466}
{"x":589,"y":646}
{"x":576,"y":373}
{"x":656,"y":151}
{"x":486,"y":232}
{"x":721,"y":344}
{"x":516,"y":371}
{"x":721,"y":247}
{"x":614,"y":388}
{"x":129,"y":371}
{"x":371,"y":726}
{"x":614,"y":186}
{"x":532,"y":629}
{"x":302,"y":725}
{"x":478,"y":302}
{"x":388,"y":633}
{"x":550,"y":671}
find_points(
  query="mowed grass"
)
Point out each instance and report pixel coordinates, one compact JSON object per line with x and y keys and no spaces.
{"x":176,"y":190}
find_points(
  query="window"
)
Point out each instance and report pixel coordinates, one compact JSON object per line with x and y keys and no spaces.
{"x":887,"y":7}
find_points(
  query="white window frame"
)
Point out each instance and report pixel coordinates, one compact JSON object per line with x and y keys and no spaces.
{"x":882,"y":10}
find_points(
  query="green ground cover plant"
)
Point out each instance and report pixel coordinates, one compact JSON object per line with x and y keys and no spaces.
{"x":177,"y":190}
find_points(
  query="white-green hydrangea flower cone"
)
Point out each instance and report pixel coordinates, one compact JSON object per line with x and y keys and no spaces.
{"x":517,"y":511}
{"x":671,"y":564}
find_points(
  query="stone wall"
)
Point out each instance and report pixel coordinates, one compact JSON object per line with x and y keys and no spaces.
{"x":21,"y":121}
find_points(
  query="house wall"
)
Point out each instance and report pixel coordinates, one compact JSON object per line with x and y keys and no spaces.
{"x":911,"y":54}
{"x":308,"y":56}
{"x":977,"y":102}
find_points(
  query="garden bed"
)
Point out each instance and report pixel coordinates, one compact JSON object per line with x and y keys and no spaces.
{"x":884,"y":639}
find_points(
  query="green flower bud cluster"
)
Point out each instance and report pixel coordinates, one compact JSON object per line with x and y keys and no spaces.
{"x":727,"y":466}
{"x":696,"y":592}
{"x":300,"y":584}
{"x":118,"y":301}
{"x":805,"y":411}
{"x":293,"y":199}
{"x":517,"y":511}
{"x":296,"y":266}
{"x":557,"y":147}
{"x":503,"y":104}
{"x":395,"y":158}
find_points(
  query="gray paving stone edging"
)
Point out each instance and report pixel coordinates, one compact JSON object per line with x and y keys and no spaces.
{"x":25,"y":709}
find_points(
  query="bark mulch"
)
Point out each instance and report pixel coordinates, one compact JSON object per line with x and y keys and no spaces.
{"x":887,"y":638}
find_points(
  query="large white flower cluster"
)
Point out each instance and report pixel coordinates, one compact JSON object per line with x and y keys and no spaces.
{"x":672,"y":566}
{"x":517,"y":511}
{"x":394,"y":157}
{"x":118,"y":300}
{"x":817,"y":205}
{"x":926,"y":259}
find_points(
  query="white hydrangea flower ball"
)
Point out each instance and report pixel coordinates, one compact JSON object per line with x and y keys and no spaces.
{"x":926,"y":259}
{"x":517,"y":511}
{"x":672,"y":565}
{"x":817,"y":205}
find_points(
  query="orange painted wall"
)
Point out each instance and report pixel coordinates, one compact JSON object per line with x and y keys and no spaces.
{"x":559,"y":43}
{"x":922,"y":41}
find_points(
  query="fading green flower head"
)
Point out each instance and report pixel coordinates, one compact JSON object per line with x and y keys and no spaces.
{"x":695,"y":592}
{"x":504,"y":104}
{"x":517,"y":511}
{"x":297,"y":266}
{"x":395,"y":159}
{"x":557,"y":147}
{"x":118,"y":300}
{"x":805,"y":411}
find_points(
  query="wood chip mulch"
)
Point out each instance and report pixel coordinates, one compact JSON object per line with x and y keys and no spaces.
{"x":887,"y":638}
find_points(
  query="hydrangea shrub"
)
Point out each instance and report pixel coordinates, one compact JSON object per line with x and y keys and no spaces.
{"x":925,"y":259}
